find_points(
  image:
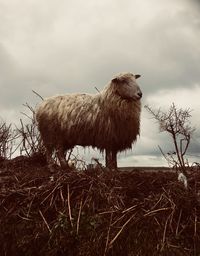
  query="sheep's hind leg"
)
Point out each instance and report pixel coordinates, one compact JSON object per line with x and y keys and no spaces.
{"x":49,"y":158}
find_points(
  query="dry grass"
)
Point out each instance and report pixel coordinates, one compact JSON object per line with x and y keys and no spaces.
{"x":97,"y":212}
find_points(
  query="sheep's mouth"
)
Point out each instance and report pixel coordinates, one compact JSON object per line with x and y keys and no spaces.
{"x":133,"y":98}
{"x":138,"y":98}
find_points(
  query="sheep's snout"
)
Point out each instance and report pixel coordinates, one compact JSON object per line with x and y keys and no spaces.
{"x":139,"y":95}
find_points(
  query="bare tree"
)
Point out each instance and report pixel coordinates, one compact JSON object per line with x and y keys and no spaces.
{"x":176,"y":122}
{"x":8,"y":138}
{"x":30,"y":141}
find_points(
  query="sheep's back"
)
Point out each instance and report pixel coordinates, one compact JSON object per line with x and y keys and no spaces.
{"x":66,"y":119}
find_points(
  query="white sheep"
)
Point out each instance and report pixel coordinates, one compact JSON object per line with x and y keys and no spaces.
{"x":109,"y":120}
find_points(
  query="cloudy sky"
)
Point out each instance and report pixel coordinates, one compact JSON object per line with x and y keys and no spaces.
{"x":56,"y":47}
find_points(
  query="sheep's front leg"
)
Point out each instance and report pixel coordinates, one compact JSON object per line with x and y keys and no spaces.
{"x":61,"y":157}
{"x":111,"y":159}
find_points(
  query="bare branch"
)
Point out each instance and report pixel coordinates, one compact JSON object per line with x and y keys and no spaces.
{"x":38,"y":95}
{"x":175,"y":122}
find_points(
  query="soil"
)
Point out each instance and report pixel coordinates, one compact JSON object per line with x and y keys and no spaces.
{"x":96,"y":212}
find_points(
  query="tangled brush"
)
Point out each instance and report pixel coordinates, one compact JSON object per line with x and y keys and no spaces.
{"x":114,"y":213}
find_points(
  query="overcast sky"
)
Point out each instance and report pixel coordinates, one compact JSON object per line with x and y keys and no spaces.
{"x":56,"y":47}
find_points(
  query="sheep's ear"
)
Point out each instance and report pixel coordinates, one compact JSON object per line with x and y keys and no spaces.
{"x":119,"y":79}
{"x":115,"y":80}
{"x":137,"y":76}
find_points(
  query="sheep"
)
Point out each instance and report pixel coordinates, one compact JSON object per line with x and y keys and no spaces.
{"x":108,"y":120}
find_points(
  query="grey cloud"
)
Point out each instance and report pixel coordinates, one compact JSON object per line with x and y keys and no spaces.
{"x":58,"y":45}
{"x":7,"y":78}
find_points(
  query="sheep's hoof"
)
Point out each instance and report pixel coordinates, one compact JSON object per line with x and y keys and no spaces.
{"x":113,"y":169}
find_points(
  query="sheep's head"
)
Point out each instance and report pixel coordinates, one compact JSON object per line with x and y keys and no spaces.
{"x":125,"y":86}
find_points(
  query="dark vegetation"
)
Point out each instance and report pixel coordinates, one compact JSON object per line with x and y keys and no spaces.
{"x":96,"y":212}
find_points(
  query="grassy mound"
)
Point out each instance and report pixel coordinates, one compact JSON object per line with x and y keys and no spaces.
{"x":97,"y":213}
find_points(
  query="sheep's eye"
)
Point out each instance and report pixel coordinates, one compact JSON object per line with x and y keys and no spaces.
{"x":128,"y":84}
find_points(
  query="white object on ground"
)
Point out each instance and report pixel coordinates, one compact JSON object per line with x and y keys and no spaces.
{"x":182,"y":178}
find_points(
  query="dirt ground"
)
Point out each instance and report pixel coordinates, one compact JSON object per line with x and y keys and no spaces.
{"x":133,"y":212}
